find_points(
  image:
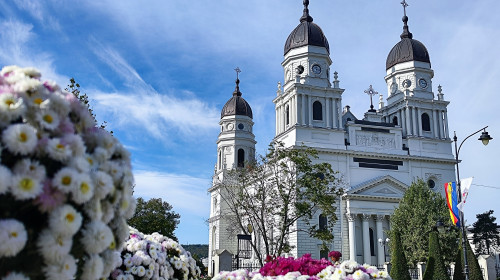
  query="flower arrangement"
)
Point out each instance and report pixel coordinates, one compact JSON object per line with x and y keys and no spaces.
{"x":305,"y":265}
{"x":66,"y":185}
{"x":154,"y":257}
{"x":347,"y":270}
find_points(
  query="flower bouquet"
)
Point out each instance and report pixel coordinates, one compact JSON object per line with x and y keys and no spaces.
{"x":155,"y":257}
{"x":66,"y":185}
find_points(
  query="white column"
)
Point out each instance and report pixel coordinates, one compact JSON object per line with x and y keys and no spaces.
{"x":440,"y":119}
{"x":304,"y":109}
{"x":414,"y":117}
{"x":419,"y":120}
{"x":436,"y":124}
{"x":446,"y":133}
{"x":309,"y":108}
{"x":400,"y":118}
{"x":366,"y":239}
{"x":277,"y":120}
{"x":352,"y":236}
{"x":403,"y":122}
{"x":408,"y":121}
{"x":328,"y":112}
{"x":294,"y":110}
{"x":380,"y":235}
{"x":335,"y":113}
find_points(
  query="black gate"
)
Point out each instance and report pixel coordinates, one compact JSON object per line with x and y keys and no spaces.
{"x":242,"y":259}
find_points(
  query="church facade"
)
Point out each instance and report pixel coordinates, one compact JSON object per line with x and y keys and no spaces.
{"x":378,"y":155}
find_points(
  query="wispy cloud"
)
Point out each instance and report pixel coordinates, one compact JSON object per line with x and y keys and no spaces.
{"x":16,"y":48}
{"x":187,"y":194}
{"x":37,"y":10}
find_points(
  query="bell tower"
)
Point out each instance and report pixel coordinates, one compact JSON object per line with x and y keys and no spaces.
{"x":308,"y":101}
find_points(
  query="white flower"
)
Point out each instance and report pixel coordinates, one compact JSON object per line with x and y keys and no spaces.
{"x":25,"y":187}
{"x":58,"y":150}
{"x":13,"y":236}
{"x":52,"y":246}
{"x":103,"y":183}
{"x":100,"y":155}
{"x":141,"y":271}
{"x":112,"y":259}
{"x":30,"y":167}
{"x":31,"y":72}
{"x":75,"y":143}
{"x":360,"y":275}
{"x":92,"y":268}
{"x":15,"y":276}
{"x":48,"y":119}
{"x":11,"y":106}
{"x":28,"y":85}
{"x":65,"y":220}
{"x":79,"y":163}
{"x":65,"y":179}
{"x":149,"y":273}
{"x":63,"y":270}
{"x":58,"y":103}
{"x":113,"y":168}
{"x":93,"y":208}
{"x":96,"y":237}
{"x":84,"y":189}
{"x":20,"y":138}
{"x":6,"y":181}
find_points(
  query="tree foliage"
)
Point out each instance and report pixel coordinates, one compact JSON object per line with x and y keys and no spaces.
{"x":475,"y":272}
{"x":275,"y":192}
{"x":155,"y":215}
{"x":485,"y":234}
{"x":416,"y":215}
{"x":435,"y":268}
{"x":399,"y":270}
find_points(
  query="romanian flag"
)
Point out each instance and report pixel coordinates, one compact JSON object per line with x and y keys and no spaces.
{"x":452,"y":200}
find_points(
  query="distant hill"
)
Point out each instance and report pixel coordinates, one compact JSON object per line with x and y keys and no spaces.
{"x":199,"y":249}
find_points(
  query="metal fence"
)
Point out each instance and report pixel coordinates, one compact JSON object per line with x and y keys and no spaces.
{"x":414,"y":273}
{"x":239,"y":263}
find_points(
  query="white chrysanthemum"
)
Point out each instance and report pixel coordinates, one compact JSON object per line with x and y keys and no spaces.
{"x":97,"y":236}
{"x":92,"y":268}
{"x":112,"y":259}
{"x":10,"y":70}
{"x":360,"y":275}
{"x":25,"y":187}
{"x":141,"y":271}
{"x":20,"y":138}
{"x":53,"y":85}
{"x":65,"y":179}
{"x":108,"y":212}
{"x":75,"y":143}
{"x":149,"y":273}
{"x":58,"y":150}
{"x":6,"y":181}
{"x":114,"y":169}
{"x":106,"y":141}
{"x":80,"y":164}
{"x":15,"y":276}
{"x":31,"y":72}
{"x":84,"y":189}
{"x":52,"y":246}
{"x":13,"y":236}
{"x":58,"y":103}
{"x":65,"y":220}
{"x":28,"y":85}
{"x":29,"y":167}
{"x":11,"y":106}
{"x":65,"y":270}
{"x":103,"y":184}
{"x":93,"y":209}
{"x":48,"y":119}
{"x":100,"y":155}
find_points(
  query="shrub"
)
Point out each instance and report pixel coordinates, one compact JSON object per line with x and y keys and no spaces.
{"x":435,"y":268}
{"x":399,"y":270}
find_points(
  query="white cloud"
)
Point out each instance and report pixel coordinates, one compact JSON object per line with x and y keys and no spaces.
{"x":16,"y":49}
{"x":37,"y":10}
{"x":187,"y":194}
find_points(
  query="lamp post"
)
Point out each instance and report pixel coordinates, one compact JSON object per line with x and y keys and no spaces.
{"x":383,"y":243}
{"x":485,"y":138}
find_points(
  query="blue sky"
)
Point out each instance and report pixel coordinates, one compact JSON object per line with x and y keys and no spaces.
{"x":159,"y":71}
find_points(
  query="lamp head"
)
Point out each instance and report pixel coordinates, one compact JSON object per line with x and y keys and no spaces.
{"x":485,"y":137}
{"x":440,"y":226}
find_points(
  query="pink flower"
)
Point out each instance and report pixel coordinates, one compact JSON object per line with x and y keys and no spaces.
{"x":50,"y":198}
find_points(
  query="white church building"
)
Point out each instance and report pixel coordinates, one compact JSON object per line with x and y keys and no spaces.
{"x":378,"y":155}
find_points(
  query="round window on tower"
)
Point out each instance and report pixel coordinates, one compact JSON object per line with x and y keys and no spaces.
{"x":431,"y":183}
{"x":241,"y":126}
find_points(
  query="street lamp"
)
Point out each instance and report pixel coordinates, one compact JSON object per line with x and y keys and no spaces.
{"x":383,"y":243}
{"x":485,"y":139}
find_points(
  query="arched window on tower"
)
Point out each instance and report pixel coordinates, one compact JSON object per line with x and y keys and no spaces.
{"x":287,"y":115}
{"x":395,"y":120}
{"x":372,"y":243}
{"x":322,"y":221}
{"x":426,"y":122}
{"x":241,"y":157}
{"x":214,"y":238}
{"x":317,"y":111}
{"x":220,"y":160}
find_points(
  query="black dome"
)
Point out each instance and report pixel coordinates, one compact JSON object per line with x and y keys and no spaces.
{"x":236,"y":105}
{"x":306,"y":33}
{"x":407,"y":49}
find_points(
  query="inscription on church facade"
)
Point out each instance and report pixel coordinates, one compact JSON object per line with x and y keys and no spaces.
{"x":374,"y":139}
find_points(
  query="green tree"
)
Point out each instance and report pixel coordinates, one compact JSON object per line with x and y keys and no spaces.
{"x":155,"y":215}
{"x":399,"y":269}
{"x":475,"y":272}
{"x":276,"y":191}
{"x":435,"y":268}
{"x":485,"y":233}
{"x":417,"y":213}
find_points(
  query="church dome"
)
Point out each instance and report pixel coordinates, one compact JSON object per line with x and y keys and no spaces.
{"x":306,"y":33}
{"x":236,"y":105}
{"x":408,"y":49}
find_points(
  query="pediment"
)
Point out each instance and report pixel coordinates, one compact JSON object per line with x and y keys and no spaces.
{"x":384,"y":186}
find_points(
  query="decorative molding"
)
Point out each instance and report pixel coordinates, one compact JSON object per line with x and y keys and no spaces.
{"x":370,"y":139}
{"x":367,"y":217}
{"x":351,"y":217}
{"x":379,"y":217}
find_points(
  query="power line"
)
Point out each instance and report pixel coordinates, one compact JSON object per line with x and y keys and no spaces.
{"x":491,"y":187}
